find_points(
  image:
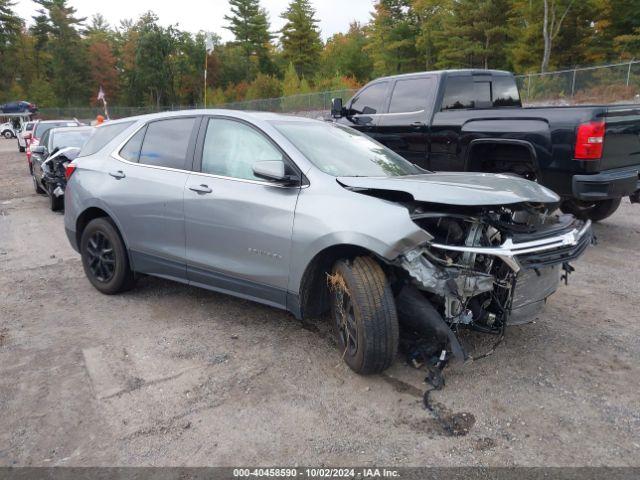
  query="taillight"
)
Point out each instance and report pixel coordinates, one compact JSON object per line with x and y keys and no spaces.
{"x":589,"y":141}
{"x":68,"y":171}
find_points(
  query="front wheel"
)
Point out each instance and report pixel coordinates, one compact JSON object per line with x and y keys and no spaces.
{"x":8,"y":135}
{"x":104,"y":257}
{"x":364,"y":313}
{"x":594,"y":211}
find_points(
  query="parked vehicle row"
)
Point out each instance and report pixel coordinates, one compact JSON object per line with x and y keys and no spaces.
{"x":473,"y":120}
{"x":314,"y":217}
{"x":49,"y":159}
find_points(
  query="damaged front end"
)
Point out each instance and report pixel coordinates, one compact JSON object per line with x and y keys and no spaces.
{"x":485,"y":268}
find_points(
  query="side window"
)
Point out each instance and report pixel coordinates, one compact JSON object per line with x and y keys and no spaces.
{"x":371,"y":100}
{"x":231,"y":148}
{"x":459,"y":93}
{"x":131,"y":149}
{"x":101,"y":136}
{"x":166,"y":143}
{"x":412,"y":95}
{"x":505,"y":92}
{"x":45,"y":140}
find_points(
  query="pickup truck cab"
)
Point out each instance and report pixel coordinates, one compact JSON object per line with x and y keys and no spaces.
{"x":473,"y":120}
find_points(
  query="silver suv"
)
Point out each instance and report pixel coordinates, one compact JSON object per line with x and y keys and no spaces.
{"x":314,"y":217}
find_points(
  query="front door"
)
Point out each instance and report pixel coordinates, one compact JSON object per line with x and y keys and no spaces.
{"x":238,"y":227}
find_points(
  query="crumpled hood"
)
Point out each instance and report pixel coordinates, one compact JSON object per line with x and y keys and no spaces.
{"x":458,"y":188}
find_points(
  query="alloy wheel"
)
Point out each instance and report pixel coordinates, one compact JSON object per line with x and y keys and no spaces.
{"x":101,"y":257}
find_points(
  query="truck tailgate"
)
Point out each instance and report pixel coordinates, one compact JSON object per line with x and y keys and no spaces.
{"x":622,"y":138}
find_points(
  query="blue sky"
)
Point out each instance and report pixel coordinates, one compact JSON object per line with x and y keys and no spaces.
{"x":195,"y":15}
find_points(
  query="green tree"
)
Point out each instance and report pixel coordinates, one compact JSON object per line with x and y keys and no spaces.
{"x":249,"y":24}
{"x":264,"y":86}
{"x":476,"y":34}
{"x":300,"y":39}
{"x":68,"y":58}
{"x":10,"y":29}
{"x":345,"y":54}
{"x":394,"y":32}
{"x":153,"y":77}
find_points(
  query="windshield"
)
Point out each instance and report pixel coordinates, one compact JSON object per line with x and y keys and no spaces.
{"x":73,"y":138}
{"x":41,"y":128}
{"x":343,"y":152}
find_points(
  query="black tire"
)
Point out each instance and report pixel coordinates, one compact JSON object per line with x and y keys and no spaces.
{"x":36,"y":186}
{"x":21,"y":149}
{"x":594,"y":211}
{"x":364,"y":315}
{"x":55,"y":203}
{"x":8,"y":135}
{"x":104,"y":257}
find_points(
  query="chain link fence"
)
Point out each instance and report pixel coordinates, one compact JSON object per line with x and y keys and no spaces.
{"x":616,"y":83}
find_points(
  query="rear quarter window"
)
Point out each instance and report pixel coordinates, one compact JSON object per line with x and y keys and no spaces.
{"x":101,"y":136}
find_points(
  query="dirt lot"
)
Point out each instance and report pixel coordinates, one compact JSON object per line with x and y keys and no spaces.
{"x":173,"y":375}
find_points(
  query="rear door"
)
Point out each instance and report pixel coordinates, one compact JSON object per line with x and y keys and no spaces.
{"x":404,"y":128}
{"x":146,"y":190}
{"x":238,"y":227}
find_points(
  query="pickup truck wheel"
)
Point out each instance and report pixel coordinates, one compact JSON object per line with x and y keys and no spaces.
{"x":594,"y":211}
{"x":7,"y":135}
{"x":21,"y":149}
{"x":364,"y":314}
{"x":104,"y":257}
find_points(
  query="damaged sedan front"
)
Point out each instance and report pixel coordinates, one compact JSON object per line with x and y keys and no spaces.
{"x":455,"y":250}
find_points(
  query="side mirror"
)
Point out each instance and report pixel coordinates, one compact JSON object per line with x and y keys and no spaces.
{"x":337,"y":110}
{"x":40,"y":150}
{"x":26,"y":135}
{"x":273,"y":170}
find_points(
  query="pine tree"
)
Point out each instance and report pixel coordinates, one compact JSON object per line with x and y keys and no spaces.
{"x":394,"y":31}
{"x":68,"y":62}
{"x":250,"y":25}
{"x":301,"y":43}
{"x":475,"y":35}
{"x":10,"y":27}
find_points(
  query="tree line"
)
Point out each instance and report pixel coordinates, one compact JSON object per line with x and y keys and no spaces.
{"x":58,"y":59}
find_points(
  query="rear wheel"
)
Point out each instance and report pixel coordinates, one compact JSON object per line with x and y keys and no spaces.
{"x":21,"y":149}
{"x":594,"y":211}
{"x":364,"y":313}
{"x":8,"y":135}
{"x":104,"y":257}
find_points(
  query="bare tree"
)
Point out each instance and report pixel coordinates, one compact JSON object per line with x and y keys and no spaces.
{"x":551,"y":26}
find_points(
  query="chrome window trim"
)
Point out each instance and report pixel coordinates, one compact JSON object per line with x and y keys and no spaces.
{"x":115,"y":154}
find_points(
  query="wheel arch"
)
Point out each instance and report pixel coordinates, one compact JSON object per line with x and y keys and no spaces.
{"x":93,"y":212}
{"x":313,"y":296}
{"x":473,"y":161}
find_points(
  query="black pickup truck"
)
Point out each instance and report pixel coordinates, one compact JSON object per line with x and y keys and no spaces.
{"x":473,"y":120}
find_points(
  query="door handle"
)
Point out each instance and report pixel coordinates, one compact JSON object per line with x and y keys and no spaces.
{"x":201,"y":189}
{"x":117,"y":175}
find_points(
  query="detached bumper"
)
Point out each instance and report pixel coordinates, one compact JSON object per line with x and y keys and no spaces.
{"x":606,"y":185}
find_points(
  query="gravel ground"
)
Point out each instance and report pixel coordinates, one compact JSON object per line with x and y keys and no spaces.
{"x":173,"y":375}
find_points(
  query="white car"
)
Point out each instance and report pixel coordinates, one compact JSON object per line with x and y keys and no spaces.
{"x":22,"y":142}
{"x":7,"y":131}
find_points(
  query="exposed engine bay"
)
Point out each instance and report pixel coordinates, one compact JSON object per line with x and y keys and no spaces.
{"x":485,"y":267}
